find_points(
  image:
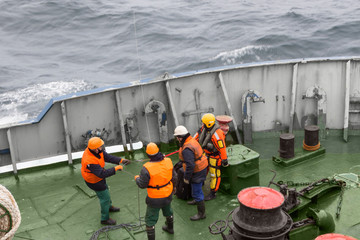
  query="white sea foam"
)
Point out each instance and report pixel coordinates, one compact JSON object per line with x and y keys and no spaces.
{"x":233,"y":56}
{"x":16,"y":104}
{"x":15,"y":116}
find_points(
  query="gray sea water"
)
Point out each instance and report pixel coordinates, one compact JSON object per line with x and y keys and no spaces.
{"x":50,"y":48}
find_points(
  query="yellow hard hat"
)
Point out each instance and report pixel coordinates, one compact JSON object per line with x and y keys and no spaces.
{"x":208,"y":119}
{"x":95,"y":142}
{"x":152,"y":149}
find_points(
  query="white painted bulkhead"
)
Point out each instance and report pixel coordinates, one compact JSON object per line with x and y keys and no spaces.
{"x":187,"y":97}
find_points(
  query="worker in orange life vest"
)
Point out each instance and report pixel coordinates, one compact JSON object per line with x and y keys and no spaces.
{"x":212,"y":140}
{"x":158,"y":177}
{"x":94,"y":174}
{"x":195,"y":168}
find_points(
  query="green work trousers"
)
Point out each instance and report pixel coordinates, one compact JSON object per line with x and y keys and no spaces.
{"x":105,"y":203}
{"x":152,"y":214}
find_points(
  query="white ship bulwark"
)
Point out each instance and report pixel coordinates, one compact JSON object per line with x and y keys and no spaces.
{"x":295,"y":93}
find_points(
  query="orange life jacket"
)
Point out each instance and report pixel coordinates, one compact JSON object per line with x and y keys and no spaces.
{"x":201,"y":161}
{"x":213,"y":143}
{"x":89,"y":158}
{"x":160,"y":185}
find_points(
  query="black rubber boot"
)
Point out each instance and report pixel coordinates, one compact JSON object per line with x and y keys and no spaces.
{"x":114,"y":209}
{"x":201,"y":212}
{"x":108,"y":222}
{"x":169,"y":225}
{"x":211,"y":196}
{"x":150,"y":231}
{"x":192,"y":202}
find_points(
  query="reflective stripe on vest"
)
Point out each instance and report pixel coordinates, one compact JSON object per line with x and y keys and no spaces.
{"x":160,"y":185}
{"x":201,"y":161}
{"x":89,"y":158}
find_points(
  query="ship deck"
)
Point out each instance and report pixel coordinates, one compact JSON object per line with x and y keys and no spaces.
{"x":56,"y":204}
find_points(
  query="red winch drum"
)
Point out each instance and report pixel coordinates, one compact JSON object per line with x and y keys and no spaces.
{"x":260,"y":215}
{"x":334,"y":236}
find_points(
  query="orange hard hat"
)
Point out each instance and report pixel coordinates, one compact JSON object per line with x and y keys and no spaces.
{"x":152,"y":149}
{"x":95,"y":142}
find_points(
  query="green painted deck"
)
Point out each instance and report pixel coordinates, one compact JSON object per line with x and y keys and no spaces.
{"x":55,"y":203}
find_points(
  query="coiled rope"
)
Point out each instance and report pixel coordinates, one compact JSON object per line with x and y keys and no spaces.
{"x":10,"y":216}
{"x":128,"y":226}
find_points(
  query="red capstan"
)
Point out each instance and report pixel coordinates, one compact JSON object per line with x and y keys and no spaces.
{"x":223,"y":121}
{"x":260,"y":198}
{"x":334,"y":236}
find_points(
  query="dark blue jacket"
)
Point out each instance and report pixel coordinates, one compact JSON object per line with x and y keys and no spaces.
{"x":100,"y":172}
{"x":189,"y":158}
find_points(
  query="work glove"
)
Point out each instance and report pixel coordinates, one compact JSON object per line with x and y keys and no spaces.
{"x":136,"y":176}
{"x":224,"y":163}
{"x":125,"y":161}
{"x":186,"y":181}
{"x":118,"y":167}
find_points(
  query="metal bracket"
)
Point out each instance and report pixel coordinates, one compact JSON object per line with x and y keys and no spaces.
{"x":188,"y":113}
{"x":158,"y":108}
{"x":198,"y":111}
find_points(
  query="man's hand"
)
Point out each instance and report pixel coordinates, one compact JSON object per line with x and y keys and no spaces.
{"x":125,"y":161}
{"x":186,"y":181}
{"x":225,"y":163}
{"x":136,"y":176}
{"x":118,"y":167}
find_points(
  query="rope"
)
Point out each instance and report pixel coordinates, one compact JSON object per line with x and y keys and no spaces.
{"x":139,"y":206}
{"x":169,"y":154}
{"x":127,"y":226}
{"x":146,"y":118}
{"x":138,"y":196}
{"x":140,"y":77}
{"x":137,"y":49}
{"x":10,"y":217}
{"x":311,"y":148}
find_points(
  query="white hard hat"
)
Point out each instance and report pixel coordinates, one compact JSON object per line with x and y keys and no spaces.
{"x":180,"y":131}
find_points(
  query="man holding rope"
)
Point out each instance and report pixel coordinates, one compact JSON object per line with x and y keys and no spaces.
{"x":158,"y":177}
{"x":94,"y":174}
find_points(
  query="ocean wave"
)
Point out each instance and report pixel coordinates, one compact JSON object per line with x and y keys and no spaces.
{"x":16,"y":104}
{"x":235,"y":56}
{"x":104,"y":42}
